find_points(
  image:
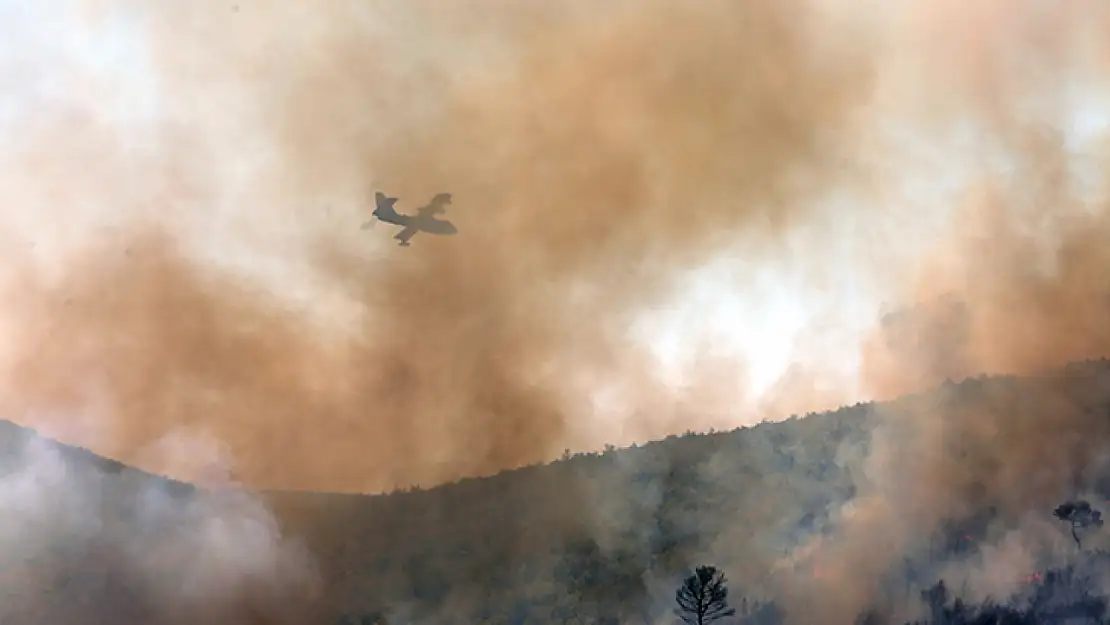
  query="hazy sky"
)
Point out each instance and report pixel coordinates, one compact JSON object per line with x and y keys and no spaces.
{"x":60,"y":58}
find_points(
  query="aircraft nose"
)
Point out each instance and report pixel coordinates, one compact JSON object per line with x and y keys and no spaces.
{"x":451,"y":229}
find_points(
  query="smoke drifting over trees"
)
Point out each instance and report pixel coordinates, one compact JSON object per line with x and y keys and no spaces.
{"x":182,"y":186}
{"x":598,"y":155}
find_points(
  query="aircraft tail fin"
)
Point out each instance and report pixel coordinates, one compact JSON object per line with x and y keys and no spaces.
{"x":383,"y":203}
{"x":384,"y":209}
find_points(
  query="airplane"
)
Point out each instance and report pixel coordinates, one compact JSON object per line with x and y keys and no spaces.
{"x":422,"y":221}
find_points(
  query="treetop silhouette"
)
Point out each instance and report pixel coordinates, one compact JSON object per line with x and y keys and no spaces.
{"x":703,"y":597}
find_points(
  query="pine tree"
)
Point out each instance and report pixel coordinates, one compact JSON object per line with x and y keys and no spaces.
{"x":703,"y":597}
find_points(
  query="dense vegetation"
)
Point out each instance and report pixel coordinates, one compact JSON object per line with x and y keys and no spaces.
{"x":607,"y":537}
{"x":589,"y":537}
{"x":610,"y":537}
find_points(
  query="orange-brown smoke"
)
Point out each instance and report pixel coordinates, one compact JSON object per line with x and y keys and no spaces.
{"x":1016,"y":285}
{"x":594,"y":156}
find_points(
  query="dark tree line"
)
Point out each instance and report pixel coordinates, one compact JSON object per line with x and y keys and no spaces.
{"x":1063,"y":597}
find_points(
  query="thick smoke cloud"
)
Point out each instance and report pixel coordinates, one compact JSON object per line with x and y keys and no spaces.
{"x":1016,"y":285}
{"x":595,"y":155}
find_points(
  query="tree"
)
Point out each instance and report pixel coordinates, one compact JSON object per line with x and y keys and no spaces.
{"x":703,"y":597}
{"x":1079,"y":515}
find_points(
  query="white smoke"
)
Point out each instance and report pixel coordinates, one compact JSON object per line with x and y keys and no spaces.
{"x":81,"y":545}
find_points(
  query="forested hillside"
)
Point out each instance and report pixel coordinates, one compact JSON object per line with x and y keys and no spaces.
{"x":858,"y":513}
{"x":787,"y":509}
{"x":519,"y":539}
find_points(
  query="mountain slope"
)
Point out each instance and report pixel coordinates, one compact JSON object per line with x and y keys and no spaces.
{"x":895,"y":491}
{"x":827,"y":514}
{"x":85,"y":539}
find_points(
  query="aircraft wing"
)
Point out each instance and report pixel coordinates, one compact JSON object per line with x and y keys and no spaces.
{"x":395,"y":219}
{"x":392,"y":217}
{"x":406,"y":233}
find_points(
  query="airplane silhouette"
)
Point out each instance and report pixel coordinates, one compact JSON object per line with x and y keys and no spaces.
{"x":422,"y":221}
